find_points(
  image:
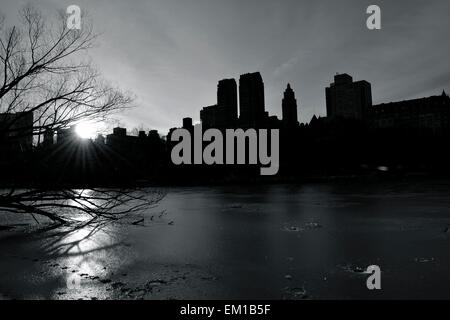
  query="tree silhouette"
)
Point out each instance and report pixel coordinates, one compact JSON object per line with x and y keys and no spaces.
{"x":44,"y":70}
{"x":80,"y":206}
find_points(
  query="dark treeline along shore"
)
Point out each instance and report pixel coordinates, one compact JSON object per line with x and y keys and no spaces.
{"x":355,"y":139}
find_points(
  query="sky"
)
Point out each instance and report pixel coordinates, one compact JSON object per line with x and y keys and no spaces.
{"x":171,"y":54}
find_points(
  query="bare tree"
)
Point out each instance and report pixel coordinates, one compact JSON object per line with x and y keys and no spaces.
{"x":44,"y":70}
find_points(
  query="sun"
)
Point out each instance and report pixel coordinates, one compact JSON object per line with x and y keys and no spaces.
{"x":86,"y":130}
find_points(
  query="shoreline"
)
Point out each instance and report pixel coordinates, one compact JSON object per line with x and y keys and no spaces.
{"x":373,"y":176}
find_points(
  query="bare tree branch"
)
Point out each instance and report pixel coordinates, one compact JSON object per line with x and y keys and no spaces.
{"x":44,"y":70}
{"x":79,"y":205}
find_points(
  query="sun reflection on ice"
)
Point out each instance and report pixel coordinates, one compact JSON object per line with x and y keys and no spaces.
{"x":87,"y":255}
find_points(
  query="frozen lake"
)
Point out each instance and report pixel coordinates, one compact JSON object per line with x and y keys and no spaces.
{"x":248,"y":242}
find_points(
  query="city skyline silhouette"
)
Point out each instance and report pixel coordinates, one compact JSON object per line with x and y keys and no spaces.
{"x":361,"y":137}
{"x":171,"y":54}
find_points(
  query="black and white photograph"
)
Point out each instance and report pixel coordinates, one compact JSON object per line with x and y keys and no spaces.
{"x":228,"y":155}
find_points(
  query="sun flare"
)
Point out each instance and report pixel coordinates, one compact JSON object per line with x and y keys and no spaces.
{"x":87,"y":130}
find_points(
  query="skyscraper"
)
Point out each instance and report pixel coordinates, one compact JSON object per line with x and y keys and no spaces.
{"x":187,"y":123}
{"x":348,"y":99}
{"x":251,"y":99}
{"x":224,"y":113}
{"x":215,"y":117}
{"x":227,"y":98}
{"x":289,"y":107}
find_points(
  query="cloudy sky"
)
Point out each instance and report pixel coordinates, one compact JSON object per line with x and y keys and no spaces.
{"x":171,"y":54}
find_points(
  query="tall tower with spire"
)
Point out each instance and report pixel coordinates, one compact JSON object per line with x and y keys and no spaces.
{"x":289,"y":107}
